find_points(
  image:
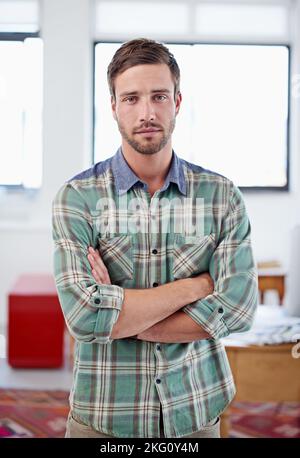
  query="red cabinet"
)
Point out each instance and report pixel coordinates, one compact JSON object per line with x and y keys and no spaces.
{"x":35,"y":323}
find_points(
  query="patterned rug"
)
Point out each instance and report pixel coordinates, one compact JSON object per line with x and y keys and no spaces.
{"x":27,"y":413}
{"x":265,"y":420}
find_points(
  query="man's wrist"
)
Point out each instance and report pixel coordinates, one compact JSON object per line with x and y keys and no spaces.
{"x":202,"y":286}
{"x":194,"y":288}
{"x":151,"y":334}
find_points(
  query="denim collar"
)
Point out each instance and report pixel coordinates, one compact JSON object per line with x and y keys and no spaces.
{"x":125,"y":178}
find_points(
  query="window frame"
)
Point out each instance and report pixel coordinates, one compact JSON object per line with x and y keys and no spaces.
{"x":286,"y":187}
{"x":18,"y":36}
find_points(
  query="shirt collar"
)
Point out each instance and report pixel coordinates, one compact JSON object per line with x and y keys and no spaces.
{"x":125,"y":178}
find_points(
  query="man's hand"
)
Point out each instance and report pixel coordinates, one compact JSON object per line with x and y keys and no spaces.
{"x":99,"y":270}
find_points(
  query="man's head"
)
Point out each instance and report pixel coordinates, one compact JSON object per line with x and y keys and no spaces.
{"x":143,"y":79}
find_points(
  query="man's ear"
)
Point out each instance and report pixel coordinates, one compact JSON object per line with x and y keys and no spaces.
{"x":113,"y":106}
{"x":178,"y":102}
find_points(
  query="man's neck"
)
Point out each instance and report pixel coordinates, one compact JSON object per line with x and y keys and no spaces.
{"x":150,"y":168}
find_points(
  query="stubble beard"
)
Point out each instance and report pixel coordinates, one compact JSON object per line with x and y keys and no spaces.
{"x":151,"y":148}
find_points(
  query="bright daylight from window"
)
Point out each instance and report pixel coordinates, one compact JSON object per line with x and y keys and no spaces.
{"x":21,"y":112}
{"x":234,"y":113}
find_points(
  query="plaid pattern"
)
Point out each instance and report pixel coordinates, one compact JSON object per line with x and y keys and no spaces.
{"x":120,"y":384}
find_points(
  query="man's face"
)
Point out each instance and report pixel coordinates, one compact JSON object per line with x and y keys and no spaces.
{"x":145,"y":109}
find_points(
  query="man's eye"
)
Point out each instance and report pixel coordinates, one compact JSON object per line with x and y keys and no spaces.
{"x":160,"y":97}
{"x":130,"y":99}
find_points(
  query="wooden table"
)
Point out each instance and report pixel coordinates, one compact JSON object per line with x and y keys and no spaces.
{"x":271,"y":279}
{"x":267,"y":373}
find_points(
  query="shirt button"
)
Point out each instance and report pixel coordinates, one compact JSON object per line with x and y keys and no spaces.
{"x":97,"y":300}
{"x":154,"y":251}
{"x":155,"y":284}
{"x":221,"y":310}
{"x":158,"y":380}
{"x":158,"y":347}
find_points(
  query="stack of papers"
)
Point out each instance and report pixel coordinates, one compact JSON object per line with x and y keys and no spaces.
{"x":272,"y":325}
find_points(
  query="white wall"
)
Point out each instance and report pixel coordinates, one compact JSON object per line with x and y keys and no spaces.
{"x":25,"y":221}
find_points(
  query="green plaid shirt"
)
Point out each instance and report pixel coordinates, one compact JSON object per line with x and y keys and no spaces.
{"x":119,"y":385}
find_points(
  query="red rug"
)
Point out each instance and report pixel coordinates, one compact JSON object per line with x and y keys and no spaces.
{"x":27,"y":413}
{"x":265,"y":420}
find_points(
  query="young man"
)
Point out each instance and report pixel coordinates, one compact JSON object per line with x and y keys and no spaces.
{"x":153,"y":265}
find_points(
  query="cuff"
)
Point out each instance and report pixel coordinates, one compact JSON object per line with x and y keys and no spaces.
{"x":108,"y":299}
{"x":209,"y":314}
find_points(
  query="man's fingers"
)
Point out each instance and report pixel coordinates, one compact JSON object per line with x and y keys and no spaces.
{"x":96,"y":276}
{"x":94,"y":264}
{"x":96,"y":273}
{"x":98,"y":259}
{"x":98,"y":267}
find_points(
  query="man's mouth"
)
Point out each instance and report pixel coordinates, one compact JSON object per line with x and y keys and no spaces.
{"x":150,"y":131}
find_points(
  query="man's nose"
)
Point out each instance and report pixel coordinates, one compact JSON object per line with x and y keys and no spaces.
{"x":147,"y":112}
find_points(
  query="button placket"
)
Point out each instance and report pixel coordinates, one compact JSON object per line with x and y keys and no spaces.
{"x":153,"y":226}
{"x":158,"y":378}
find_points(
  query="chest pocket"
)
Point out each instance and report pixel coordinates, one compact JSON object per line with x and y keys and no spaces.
{"x":116,"y":253}
{"x":191,"y":254}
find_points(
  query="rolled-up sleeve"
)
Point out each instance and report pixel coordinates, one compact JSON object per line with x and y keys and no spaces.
{"x":232,"y":306}
{"x":90,"y":309}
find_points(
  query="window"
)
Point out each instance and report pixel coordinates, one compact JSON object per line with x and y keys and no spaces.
{"x":20,"y":94}
{"x":234,"y":115}
{"x":19,"y":16}
{"x":20,"y":111}
{"x":235,"y":59}
{"x":243,"y":19}
{"x":192,"y":19}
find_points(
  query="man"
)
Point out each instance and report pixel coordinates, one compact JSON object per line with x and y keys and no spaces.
{"x":153,"y":265}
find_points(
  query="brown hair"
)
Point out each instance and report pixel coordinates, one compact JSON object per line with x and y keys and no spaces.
{"x":138,"y":52}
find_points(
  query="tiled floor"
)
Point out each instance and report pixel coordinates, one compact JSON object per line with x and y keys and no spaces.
{"x":48,"y":379}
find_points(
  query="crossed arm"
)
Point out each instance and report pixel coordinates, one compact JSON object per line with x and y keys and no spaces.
{"x":208,"y":306}
{"x":177,"y":326}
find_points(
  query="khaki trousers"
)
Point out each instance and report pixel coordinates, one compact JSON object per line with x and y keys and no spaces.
{"x":78,"y":429}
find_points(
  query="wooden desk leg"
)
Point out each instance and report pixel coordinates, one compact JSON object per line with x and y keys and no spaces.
{"x":281,"y":292}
